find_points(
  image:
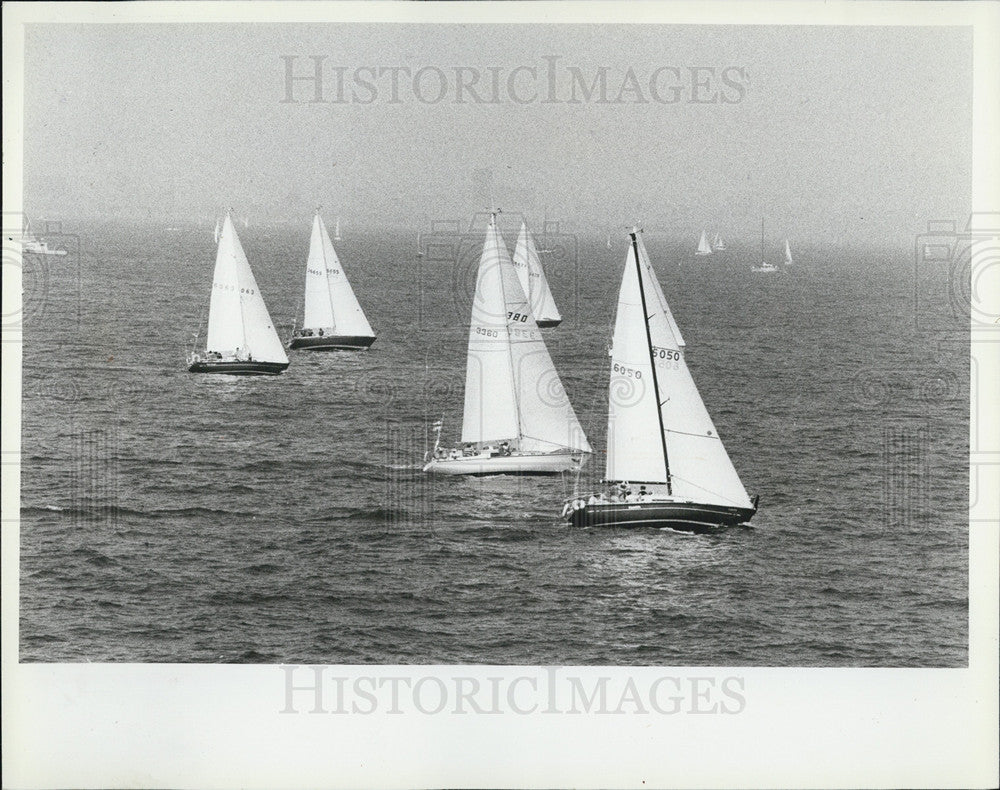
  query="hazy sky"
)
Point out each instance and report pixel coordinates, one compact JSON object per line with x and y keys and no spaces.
{"x":829,"y":132}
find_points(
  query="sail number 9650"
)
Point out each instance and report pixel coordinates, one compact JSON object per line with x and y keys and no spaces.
{"x":627,"y":372}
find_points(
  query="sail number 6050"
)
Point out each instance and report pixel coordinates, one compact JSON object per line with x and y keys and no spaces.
{"x":628,"y":372}
{"x":666,"y":353}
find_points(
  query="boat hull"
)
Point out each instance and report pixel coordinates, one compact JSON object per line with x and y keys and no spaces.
{"x":548,"y":323}
{"x":684,"y":516}
{"x":527,"y":464}
{"x":237,"y":368}
{"x":332,"y":343}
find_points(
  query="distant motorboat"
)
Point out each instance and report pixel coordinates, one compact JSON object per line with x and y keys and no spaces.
{"x":332,"y":317}
{"x":241,"y":339}
{"x":34,"y":246}
{"x":704,"y":248}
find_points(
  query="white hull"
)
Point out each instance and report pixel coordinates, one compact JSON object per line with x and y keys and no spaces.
{"x":513,"y":464}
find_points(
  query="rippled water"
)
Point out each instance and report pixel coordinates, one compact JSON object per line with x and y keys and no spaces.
{"x":173,"y":517}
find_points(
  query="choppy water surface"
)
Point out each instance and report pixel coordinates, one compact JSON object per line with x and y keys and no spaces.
{"x":174,"y":517}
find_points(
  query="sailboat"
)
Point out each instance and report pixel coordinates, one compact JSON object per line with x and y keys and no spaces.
{"x":420,"y":247}
{"x":241,"y":339}
{"x":788,"y":254}
{"x":517,"y":418}
{"x":332,"y":320}
{"x":336,"y":231}
{"x":718,"y":244}
{"x":704,"y":248}
{"x":218,"y":230}
{"x":32,"y":245}
{"x":666,"y":466}
{"x":609,"y":241}
{"x":765,"y":267}
{"x":533,"y":282}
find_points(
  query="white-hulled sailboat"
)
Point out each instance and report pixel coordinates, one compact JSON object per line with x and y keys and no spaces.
{"x":517,"y":418}
{"x":241,"y":339}
{"x":666,"y":466}
{"x":765,"y":266}
{"x":32,"y":245}
{"x":533,"y":282}
{"x":788,"y":254}
{"x":704,"y":248}
{"x":332,"y":319}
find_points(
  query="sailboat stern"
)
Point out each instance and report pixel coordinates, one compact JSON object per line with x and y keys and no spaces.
{"x":680,"y":516}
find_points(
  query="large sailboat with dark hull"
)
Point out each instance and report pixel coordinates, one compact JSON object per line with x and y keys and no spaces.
{"x":332,"y":319}
{"x":666,"y":465}
{"x":241,"y":339}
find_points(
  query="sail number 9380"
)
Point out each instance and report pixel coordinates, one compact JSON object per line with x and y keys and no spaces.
{"x":515,"y":317}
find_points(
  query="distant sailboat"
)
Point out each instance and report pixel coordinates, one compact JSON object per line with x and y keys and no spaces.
{"x":218,"y":230}
{"x":765,"y":267}
{"x":332,"y":319}
{"x":609,"y":241}
{"x":517,"y":418}
{"x":666,"y":466}
{"x":31,"y":245}
{"x":704,"y":248}
{"x":788,"y":254}
{"x":533,"y":282}
{"x":336,"y":231}
{"x":241,"y":339}
{"x":420,"y":245}
{"x":718,"y":244}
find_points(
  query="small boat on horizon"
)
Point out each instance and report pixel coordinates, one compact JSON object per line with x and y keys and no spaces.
{"x":332,"y":318}
{"x":788,"y":254}
{"x":336,"y":231}
{"x":704,"y":248}
{"x":765,"y":266}
{"x":517,"y":418}
{"x":666,"y":465}
{"x":32,"y":245}
{"x":241,"y":339}
{"x":718,"y":244}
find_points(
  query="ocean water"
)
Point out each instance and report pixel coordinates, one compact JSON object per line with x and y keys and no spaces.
{"x":173,"y":517}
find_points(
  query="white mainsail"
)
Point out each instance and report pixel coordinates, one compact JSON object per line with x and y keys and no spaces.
{"x":330,"y":303}
{"x":512,"y":389}
{"x":238,"y":321}
{"x":788,"y":254}
{"x":673,"y":440}
{"x":704,"y":248}
{"x":532,"y":278}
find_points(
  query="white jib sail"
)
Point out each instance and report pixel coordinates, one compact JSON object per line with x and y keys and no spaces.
{"x":699,"y":466}
{"x":704,"y":248}
{"x":532,"y":277}
{"x":512,"y":390}
{"x":237,"y":316}
{"x":330,"y":303}
{"x":645,"y":260}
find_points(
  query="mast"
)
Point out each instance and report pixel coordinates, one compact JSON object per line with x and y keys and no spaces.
{"x":510,"y":351}
{"x":761,"y":239}
{"x":652,"y":361}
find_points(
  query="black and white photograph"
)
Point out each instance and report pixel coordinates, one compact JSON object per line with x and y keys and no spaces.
{"x":493,"y":394}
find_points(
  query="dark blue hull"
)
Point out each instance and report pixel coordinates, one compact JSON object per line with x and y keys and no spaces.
{"x":684,"y":516}
{"x":331,"y":343}
{"x":234,"y":368}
